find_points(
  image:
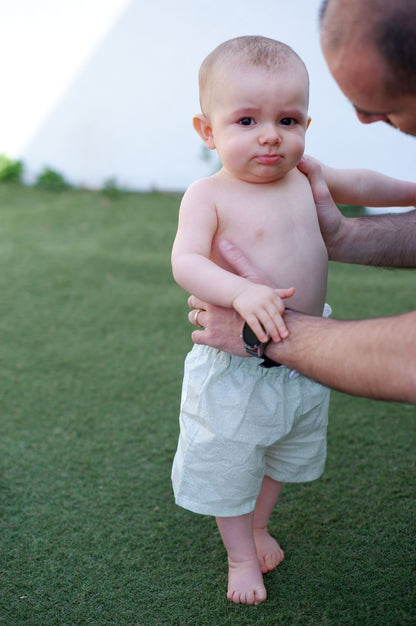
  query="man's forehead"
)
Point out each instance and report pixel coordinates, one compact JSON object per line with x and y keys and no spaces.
{"x":359,"y":72}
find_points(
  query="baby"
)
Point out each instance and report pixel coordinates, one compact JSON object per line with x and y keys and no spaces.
{"x":244,"y":429}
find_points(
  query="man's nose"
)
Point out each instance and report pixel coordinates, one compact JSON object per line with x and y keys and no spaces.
{"x":370,"y":118}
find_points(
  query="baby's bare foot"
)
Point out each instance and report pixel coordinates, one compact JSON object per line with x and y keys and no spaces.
{"x":245,"y":583}
{"x":269,"y":553}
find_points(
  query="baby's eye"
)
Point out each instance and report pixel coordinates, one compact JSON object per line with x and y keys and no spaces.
{"x":288,"y":121}
{"x":246,"y":121}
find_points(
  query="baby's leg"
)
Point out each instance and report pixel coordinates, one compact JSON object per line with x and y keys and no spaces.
{"x":245,"y":581}
{"x":269,"y":552}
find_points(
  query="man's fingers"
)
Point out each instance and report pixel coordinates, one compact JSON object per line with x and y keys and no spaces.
{"x":240,"y":263}
{"x":200,"y":337}
{"x":197,"y":317}
{"x":195,"y":303}
{"x":313,"y":171}
{"x":309,"y":166}
{"x":329,"y":216}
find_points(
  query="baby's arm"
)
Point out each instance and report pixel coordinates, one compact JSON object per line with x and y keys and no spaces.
{"x":368,"y":188}
{"x":259,"y":305}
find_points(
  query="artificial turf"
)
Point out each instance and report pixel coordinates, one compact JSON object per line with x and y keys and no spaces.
{"x":93,"y":338}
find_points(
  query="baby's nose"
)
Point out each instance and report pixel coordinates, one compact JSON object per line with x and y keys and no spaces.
{"x":270,"y":134}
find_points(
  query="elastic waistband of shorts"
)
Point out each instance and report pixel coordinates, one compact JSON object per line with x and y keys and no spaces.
{"x":223,"y":360}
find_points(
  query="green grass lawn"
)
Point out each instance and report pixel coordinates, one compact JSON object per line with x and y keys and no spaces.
{"x":93,"y":338}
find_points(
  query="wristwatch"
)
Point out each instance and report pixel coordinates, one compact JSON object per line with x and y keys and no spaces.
{"x":254,"y":347}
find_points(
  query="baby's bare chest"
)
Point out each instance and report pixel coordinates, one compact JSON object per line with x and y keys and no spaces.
{"x":271,"y":227}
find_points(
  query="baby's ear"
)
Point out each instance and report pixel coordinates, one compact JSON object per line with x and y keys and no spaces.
{"x":204,"y":129}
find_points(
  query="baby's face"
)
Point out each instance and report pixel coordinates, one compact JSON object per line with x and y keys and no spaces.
{"x":259,"y":118}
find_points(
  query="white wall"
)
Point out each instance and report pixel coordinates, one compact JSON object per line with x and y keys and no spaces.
{"x":107,"y":88}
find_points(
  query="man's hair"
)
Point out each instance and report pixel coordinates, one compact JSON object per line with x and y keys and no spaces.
{"x":255,"y":51}
{"x":388,"y":25}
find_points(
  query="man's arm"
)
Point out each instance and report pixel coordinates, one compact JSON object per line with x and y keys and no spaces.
{"x":383,"y":240}
{"x":375,"y":358}
{"x":372,"y":358}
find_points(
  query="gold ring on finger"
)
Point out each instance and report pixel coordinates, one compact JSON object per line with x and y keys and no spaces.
{"x":197,"y":312}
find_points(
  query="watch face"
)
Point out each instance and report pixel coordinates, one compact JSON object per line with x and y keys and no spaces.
{"x":249,"y":337}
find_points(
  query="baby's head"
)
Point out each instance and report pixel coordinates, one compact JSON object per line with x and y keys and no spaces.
{"x":240,"y":53}
{"x":254,"y":95}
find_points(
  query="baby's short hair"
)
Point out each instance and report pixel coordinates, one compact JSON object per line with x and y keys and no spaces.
{"x":249,"y":50}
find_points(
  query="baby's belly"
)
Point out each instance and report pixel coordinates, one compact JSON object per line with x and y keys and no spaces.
{"x":302,"y":265}
{"x":310,"y":295}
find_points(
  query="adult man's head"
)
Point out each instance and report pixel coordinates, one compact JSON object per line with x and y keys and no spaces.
{"x":370,"y":49}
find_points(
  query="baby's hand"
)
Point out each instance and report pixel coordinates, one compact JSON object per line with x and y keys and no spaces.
{"x":262,"y":308}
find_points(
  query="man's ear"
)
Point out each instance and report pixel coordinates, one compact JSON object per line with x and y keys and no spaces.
{"x":204,"y":129}
{"x":308,"y":122}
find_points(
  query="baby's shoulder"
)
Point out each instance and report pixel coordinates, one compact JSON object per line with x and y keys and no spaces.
{"x":202,"y":184}
{"x":213,"y":188}
{"x":201,"y":188}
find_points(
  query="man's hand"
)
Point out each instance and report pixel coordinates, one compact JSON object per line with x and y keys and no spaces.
{"x":241,"y":265}
{"x":331,"y":220}
{"x":221,"y":323}
{"x":223,"y":327}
